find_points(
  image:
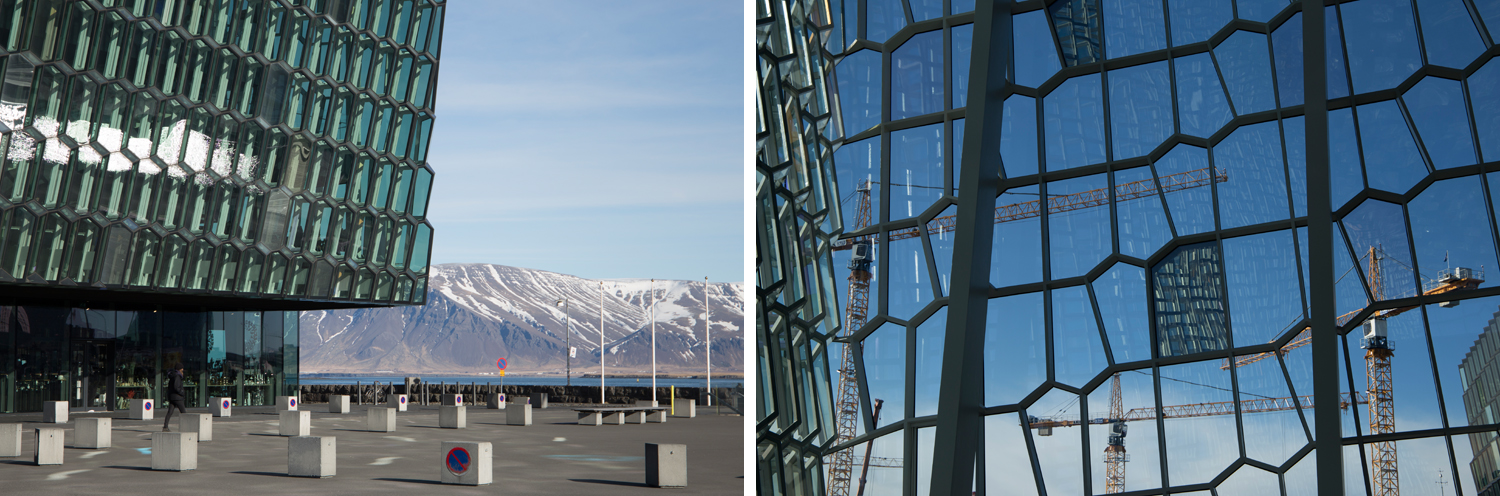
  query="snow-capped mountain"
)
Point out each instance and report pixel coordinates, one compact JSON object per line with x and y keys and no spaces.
{"x":476,"y":313}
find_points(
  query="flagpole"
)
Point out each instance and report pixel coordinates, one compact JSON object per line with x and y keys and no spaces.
{"x":601,"y":344}
{"x":708,"y":351}
{"x":652,"y":294}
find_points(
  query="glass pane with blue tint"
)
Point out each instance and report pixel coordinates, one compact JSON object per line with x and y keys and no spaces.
{"x":930,"y":361}
{"x":1197,"y":20}
{"x":1392,"y":162}
{"x":917,"y":76}
{"x":1381,"y":39}
{"x":1078,"y":229}
{"x":1333,"y":39}
{"x":1079,"y":30}
{"x":1265,"y":291}
{"x":1466,"y":344}
{"x":1286,"y":43}
{"x":1412,"y":385}
{"x":1018,"y":152}
{"x":1018,"y":238}
{"x":1007,"y":461}
{"x":1137,"y":390}
{"x":1294,"y":133}
{"x":1245,"y":61}
{"x":1348,"y":285}
{"x":1436,"y":106}
{"x":859,"y":90}
{"x":940,"y":236}
{"x":1377,"y":230}
{"x":1188,"y":298}
{"x":1451,"y":230}
{"x":884,"y":356}
{"x":1074,"y":124}
{"x":922,"y":10}
{"x":1259,"y":10}
{"x":1198,"y":448}
{"x":1200,"y":97}
{"x":1121,"y":294}
{"x":1346,"y":176}
{"x":1142,"y":221}
{"x":1484,"y":96}
{"x":1489,"y":12}
{"x":1058,"y":449}
{"x":1249,"y":479}
{"x":963,"y":50}
{"x":1077,"y":350}
{"x":1448,"y":33}
{"x":852,"y":22}
{"x":858,"y":167}
{"x":1036,"y":54}
{"x":1184,"y":175}
{"x":961,"y":6}
{"x":916,"y":170}
{"x":1015,"y":348}
{"x":835,"y":42}
{"x":1140,"y":109}
{"x":910,"y":283}
{"x":1270,"y":436}
{"x":1133,"y":26}
{"x":1255,"y":189}
{"x":1473,"y":447}
{"x":885,"y":18}
{"x":885,"y":481}
{"x":957,"y":146}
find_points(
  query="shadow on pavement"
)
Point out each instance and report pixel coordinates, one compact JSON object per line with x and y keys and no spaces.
{"x":413,"y":481}
{"x":272,"y":474}
{"x":143,"y":469}
{"x":610,"y":482}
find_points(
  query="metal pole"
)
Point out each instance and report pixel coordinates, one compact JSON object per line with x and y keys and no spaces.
{"x":569,"y":324}
{"x":708,"y":351}
{"x":601,"y":343}
{"x":652,"y":295}
{"x":1328,"y":434}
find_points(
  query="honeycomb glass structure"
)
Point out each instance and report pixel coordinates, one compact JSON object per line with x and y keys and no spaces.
{"x":1134,"y":246}
{"x":235,"y":160}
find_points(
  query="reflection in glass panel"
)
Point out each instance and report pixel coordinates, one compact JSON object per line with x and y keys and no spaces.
{"x":1015,"y":348}
{"x":1255,"y":190}
{"x":956,"y":143}
{"x":1392,"y":162}
{"x":1349,"y":288}
{"x":1133,"y":26}
{"x":1018,"y":136}
{"x":1074,"y":124}
{"x":1078,"y":233}
{"x":858,"y":170}
{"x":1466,"y":343}
{"x":885,"y":481}
{"x":1192,"y":208}
{"x":941,"y":240}
{"x":1136,"y":431}
{"x":1448,"y":33}
{"x":1077,"y":351}
{"x":1259,"y":10}
{"x":1142,"y":224}
{"x":1188,"y":301}
{"x":1079,"y":30}
{"x":1294,"y":133}
{"x":916,"y":170}
{"x":922,"y":10}
{"x":1036,"y":55}
{"x":1381,"y":40}
{"x":1196,"y":20}
{"x":1249,"y":479}
{"x":859,"y":90}
{"x":1007,"y":462}
{"x":1484,"y":95}
{"x":1265,"y":293}
{"x":1377,"y":234}
{"x":1245,"y":62}
{"x":1140,"y":109}
{"x":961,"y":6}
{"x":1272,"y":435}
{"x":963,"y":41}
{"x":917,"y":76}
{"x":910,"y":285}
{"x":1413,"y":391}
{"x":929,"y":362}
{"x":1017,"y":238}
{"x":1121,"y":297}
{"x":1436,"y":106}
{"x":884,"y":357}
{"x":1346,"y":175}
{"x":1200,"y":98}
{"x":1198,"y":448}
{"x":884,"y":18}
{"x":1057,"y":448}
{"x":1286,"y":42}
{"x":1449,"y":237}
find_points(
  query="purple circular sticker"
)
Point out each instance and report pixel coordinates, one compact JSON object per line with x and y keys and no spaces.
{"x":148,"y":405}
{"x":226,"y":403}
{"x":294,"y":402}
{"x":458,"y":461}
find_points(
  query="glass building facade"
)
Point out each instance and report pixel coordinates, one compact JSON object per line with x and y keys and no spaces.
{"x":1127,"y":246}
{"x":179,"y":178}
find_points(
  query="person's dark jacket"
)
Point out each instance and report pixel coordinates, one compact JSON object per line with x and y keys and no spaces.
{"x":175,"y":392}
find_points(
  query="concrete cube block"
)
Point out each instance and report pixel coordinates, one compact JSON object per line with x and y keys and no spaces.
{"x":54,"y":412}
{"x":94,"y":433}
{"x":666,"y":465}
{"x":49,"y":446}
{"x":200,"y":423}
{"x":541,"y":400}
{"x":467,"y":463}
{"x":174,"y":451}
{"x":286,"y":404}
{"x":295,"y":423}
{"x":397,"y":401}
{"x":590,"y":418}
{"x":497,"y":401}
{"x":142,"y":409}
{"x":518,"y":415}
{"x":614,"y":418}
{"x":520,"y":400}
{"x":637,"y":417}
{"x":312,"y":456}
{"x":338,"y":403}
{"x":657,"y":416}
{"x":645,"y":402}
{"x":452,"y":417}
{"x":685,"y":408}
{"x":10,"y":439}
{"x":453,"y":400}
{"x":221,"y":406}
{"x":380,"y":419}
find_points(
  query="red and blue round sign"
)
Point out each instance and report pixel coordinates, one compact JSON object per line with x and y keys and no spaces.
{"x":403,"y":400}
{"x":500,"y":363}
{"x":458,"y":461}
{"x":147,"y":405}
{"x":294,"y":402}
{"x":226,"y":403}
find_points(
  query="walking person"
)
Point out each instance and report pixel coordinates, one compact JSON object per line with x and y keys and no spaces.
{"x":175,"y":396}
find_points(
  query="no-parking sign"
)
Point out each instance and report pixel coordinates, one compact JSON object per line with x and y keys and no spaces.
{"x":500,"y":363}
{"x":148,"y":405}
{"x":226,"y":402}
{"x":458,"y":461}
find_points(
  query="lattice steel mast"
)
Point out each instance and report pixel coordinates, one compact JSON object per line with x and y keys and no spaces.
{"x":841,"y":463}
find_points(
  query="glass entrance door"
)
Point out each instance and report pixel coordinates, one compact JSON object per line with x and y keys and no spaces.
{"x":93,"y":381}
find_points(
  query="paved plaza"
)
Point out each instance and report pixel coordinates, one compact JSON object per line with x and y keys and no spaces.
{"x":246,"y":456}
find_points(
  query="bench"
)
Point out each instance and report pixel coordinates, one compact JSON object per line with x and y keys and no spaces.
{"x":621,"y":415}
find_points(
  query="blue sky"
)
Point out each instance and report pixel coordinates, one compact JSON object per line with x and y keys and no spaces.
{"x":598,"y":139}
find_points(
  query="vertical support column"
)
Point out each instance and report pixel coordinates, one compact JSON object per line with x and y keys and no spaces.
{"x":1328,"y":436}
{"x":961,"y":394}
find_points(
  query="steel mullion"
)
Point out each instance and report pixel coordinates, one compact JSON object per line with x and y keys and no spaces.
{"x":1320,"y":253}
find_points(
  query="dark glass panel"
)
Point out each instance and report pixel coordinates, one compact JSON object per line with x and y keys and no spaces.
{"x":1018,"y":139}
{"x":1079,"y":30}
{"x":1392,"y":162}
{"x":1133,"y":26}
{"x":1437,"y":109}
{"x":1015,"y":348}
{"x":1343,"y":150}
{"x":1197,"y":20}
{"x":1259,"y":10}
{"x":858,"y":77}
{"x":1338,"y":79}
{"x":929,"y":360}
{"x":956,"y":144}
{"x":1286,"y":43}
{"x":1140,"y":109}
{"x":910,"y":282}
{"x":1141,"y":221}
{"x":183,"y":342}
{"x":941,"y":240}
{"x":1188,"y":301}
{"x":917,"y":76}
{"x":1075,"y":123}
{"x":885,"y":18}
{"x":1200,"y":97}
{"x":1017,"y":238}
{"x":1484,"y":95}
{"x":1254,"y":190}
{"x":1035,"y":52}
{"x":1450,"y":229}
{"x":1245,"y":62}
{"x":1381,"y":39}
{"x":884,"y":358}
{"x":1448,"y":33}
{"x":1294,"y":133}
{"x":916,"y":170}
{"x":41,"y":349}
{"x":963,"y":41}
{"x":1078,"y":235}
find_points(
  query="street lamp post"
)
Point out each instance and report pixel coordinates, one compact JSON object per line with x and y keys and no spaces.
{"x":601,"y":344}
{"x":569,"y":324}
